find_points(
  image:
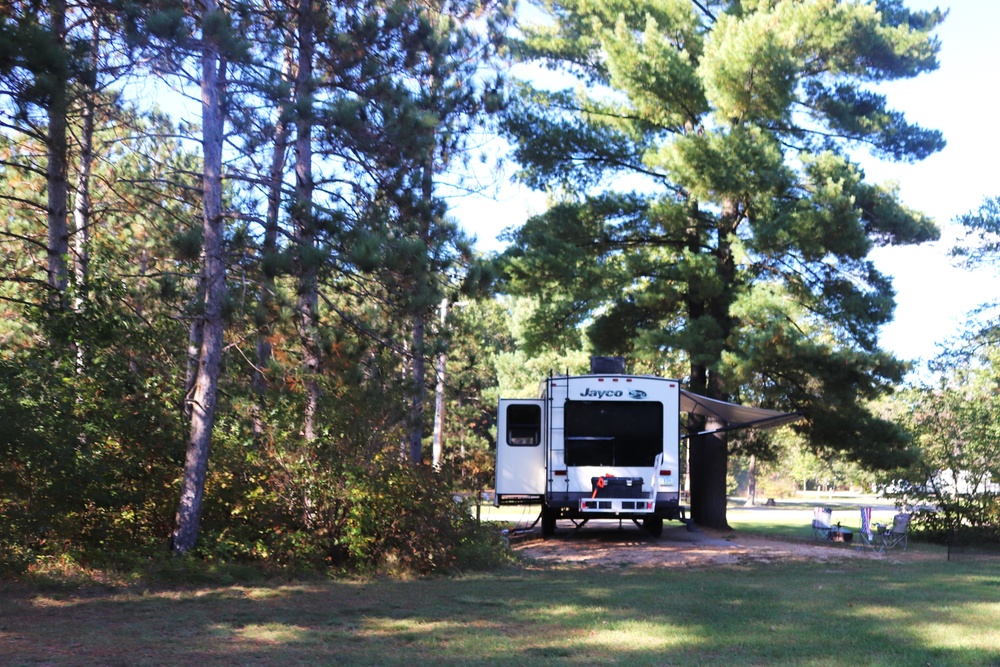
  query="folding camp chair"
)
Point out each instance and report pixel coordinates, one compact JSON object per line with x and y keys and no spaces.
{"x":895,"y":535}
{"x":869,"y":540}
{"x":821,"y":522}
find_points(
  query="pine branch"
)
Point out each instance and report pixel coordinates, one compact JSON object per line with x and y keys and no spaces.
{"x":27,"y":202}
{"x":704,"y":10}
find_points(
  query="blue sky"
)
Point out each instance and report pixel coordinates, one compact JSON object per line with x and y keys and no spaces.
{"x":962,"y":100}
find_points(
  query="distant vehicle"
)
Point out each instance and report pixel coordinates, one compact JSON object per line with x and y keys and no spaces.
{"x":604,"y":445}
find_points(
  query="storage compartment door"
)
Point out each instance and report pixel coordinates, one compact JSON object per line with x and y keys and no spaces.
{"x":521,"y":445}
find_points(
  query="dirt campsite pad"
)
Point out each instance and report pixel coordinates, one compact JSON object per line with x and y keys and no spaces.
{"x":608,"y":544}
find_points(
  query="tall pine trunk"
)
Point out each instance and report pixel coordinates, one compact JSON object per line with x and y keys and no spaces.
{"x":202,"y":401}
{"x":419,"y":373}
{"x":422,"y":282}
{"x":709,"y":460}
{"x":81,"y":192}
{"x":81,"y":203}
{"x":56,"y":170}
{"x":752,"y":482}
{"x":437,"y":445}
{"x":270,"y":248}
{"x":709,"y":453}
{"x":305,"y":224}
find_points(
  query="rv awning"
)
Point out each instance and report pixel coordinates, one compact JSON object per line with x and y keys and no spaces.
{"x":735,"y":416}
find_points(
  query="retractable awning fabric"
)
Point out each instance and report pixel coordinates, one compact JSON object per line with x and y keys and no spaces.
{"x":735,"y":416}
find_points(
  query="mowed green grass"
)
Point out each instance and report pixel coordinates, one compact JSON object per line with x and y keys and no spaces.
{"x":919,"y":610}
{"x":793,"y":519}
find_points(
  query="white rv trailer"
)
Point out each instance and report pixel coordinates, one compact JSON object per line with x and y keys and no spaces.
{"x":604,"y":445}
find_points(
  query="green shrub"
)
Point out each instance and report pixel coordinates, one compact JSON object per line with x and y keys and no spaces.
{"x":482,"y":548}
{"x":377,"y":516}
{"x":406,"y":519}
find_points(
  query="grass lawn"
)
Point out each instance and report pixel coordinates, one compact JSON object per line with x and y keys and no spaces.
{"x":792,"y":519}
{"x":921,"y":611}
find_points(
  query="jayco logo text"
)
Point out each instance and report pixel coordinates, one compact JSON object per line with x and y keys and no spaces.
{"x":600,"y":393}
{"x":616,"y":393}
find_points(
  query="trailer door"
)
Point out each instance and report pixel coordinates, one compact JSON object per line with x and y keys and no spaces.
{"x":521,"y":445}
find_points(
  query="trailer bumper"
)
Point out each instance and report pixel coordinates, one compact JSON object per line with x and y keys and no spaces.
{"x":616,"y":506}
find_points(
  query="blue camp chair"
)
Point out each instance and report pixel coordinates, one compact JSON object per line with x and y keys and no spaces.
{"x":821,"y":522}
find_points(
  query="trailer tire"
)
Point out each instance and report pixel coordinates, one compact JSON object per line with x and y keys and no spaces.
{"x":653,"y":525}
{"x":549,"y":516}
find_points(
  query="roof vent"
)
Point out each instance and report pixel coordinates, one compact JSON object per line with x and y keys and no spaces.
{"x":607,"y":365}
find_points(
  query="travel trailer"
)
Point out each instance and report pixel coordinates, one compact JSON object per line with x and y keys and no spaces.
{"x":604,"y":445}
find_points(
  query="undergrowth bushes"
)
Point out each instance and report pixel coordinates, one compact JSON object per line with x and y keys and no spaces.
{"x":379,"y":516}
{"x":406,"y":518}
{"x":383,"y":517}
{"x":89,"y":478}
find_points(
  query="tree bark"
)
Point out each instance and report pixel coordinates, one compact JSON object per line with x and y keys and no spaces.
{"x":270,"y":248}
{"x":437,"y":445}
{"x":710,"y":452}
{"x":709,"y":460}
{"x":57,"y":169}
{"x":421,"y":279}
{"x":81,"y":199}
{"x":417,"y":395}
{"x":202,"y":401}
{"x":81,"y":195}
{"x":196,"y":332}
{"x":752,"y":482}
{"x":709,"y":465}
{"x":308,"y":300}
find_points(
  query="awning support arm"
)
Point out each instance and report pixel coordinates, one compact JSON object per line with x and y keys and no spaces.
{"x":750,"y":424}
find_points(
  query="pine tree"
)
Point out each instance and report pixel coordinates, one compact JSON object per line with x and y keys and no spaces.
{"x":217,"y":46}
{"x":411,"y":107}
{"x":42,"y":68}
{"x":708,"y":202}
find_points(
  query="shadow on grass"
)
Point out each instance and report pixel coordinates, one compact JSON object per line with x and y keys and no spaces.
{"x":863,"y":612}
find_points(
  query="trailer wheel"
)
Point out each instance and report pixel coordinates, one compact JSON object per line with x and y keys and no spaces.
{"x":653,"y":525}
{"x":549,"y":516}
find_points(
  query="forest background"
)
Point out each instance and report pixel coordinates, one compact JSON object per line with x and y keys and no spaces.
{"x":261,"y":335}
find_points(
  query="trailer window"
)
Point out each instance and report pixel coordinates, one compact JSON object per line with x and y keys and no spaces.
{"x":613,"y":433}
{"x":524,"y":425}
